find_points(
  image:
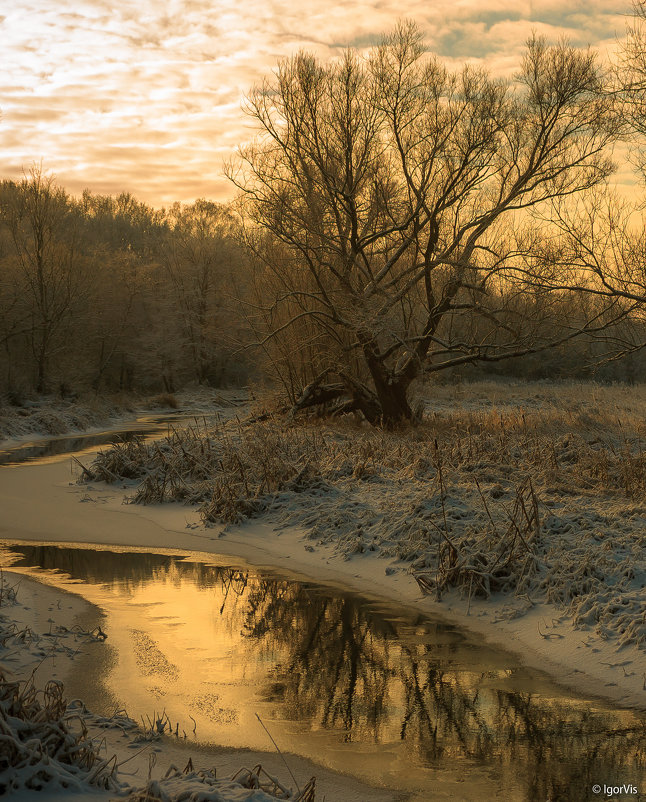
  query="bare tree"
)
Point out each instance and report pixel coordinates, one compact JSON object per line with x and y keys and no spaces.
{"x":594,"y":251}
{"x":42,"y":229}
{"x":630,"y":86}
{"x":109,"y":293}
{"x":123,"y":237}
{"x":396,"y":190}
{"x":596,"y":245}
{"x":197,"y":256}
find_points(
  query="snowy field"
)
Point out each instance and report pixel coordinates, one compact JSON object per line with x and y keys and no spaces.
{"x":516,"y":510}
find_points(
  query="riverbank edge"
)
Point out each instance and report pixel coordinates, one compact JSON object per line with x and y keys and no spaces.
{"x":51,"y":507}
{"x":37,"y":600}
{"x":108,"y":413}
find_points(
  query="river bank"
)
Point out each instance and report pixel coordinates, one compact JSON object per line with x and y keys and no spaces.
{"x":46,"y":637}
{"x":45,"y":503}
{"x":47,"y":416}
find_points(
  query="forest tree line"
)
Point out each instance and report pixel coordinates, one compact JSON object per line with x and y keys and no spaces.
{"x":107,"y":293}
{"x":395,"y":221}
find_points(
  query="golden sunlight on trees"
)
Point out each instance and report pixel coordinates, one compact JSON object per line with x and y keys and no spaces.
{"x":631,"y":74}
{"x":385,"y":200}
{"x":596,"y":246}
{"x":48,"y":267}
{"x":107,"y":293}
{"x":199,"y":256}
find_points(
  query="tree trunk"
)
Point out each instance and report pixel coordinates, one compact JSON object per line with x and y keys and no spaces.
{"x":41,"y":367}
{"x":391,"y":391}
{"x":393,"y":399}
{"x":388,"y":406}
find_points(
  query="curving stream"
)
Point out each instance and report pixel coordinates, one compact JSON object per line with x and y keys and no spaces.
{"x":397,"y":700}
{"x":50,"y":449}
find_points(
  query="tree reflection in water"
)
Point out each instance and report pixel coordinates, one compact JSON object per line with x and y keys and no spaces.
{"x":347,"y":669}
{"x":337,"y":663}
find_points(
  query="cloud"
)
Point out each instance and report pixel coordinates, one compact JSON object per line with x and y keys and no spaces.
{"x":146,"y":97}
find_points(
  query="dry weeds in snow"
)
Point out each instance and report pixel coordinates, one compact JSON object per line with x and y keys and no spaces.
{"x":45,"y":742}
{"x":247,"y":785}
{"x":58,"y":417}
{"x":43,"y":745}
{"x":539,"y":495}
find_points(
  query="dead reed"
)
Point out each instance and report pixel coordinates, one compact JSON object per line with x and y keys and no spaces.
{"x":503,"y":561}
{"x":545,"y":501}
{"x":189,"y":785}
{"x":42,"y":744}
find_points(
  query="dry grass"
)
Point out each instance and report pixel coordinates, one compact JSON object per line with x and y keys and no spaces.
{"x":541,"y":495}
{"x":229,"y":467}
{"x":45,"y":742}
{"x":164,"y":401}
{"x":43,"y":745}
{"x":237,"y":467}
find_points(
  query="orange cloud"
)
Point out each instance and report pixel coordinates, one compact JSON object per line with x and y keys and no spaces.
{"x":145,"y":97}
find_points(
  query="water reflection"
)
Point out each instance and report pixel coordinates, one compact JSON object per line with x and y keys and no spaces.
{"x":401,"y":701}
{"x":49,"y":448}
{"x":376,"y":680}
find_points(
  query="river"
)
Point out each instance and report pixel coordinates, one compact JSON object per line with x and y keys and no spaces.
{"x":395,"y":699}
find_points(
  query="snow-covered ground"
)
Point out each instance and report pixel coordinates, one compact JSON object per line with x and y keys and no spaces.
{"x":518,"y":508}
{"x":47,"y":416}
{"x":44,"y":633}
{"x":363,"y":526}
{"x":547,"y":481}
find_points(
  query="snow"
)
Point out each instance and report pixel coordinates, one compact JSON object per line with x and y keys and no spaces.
{"x":48,"y":416}
{"x":514,"y":514}
{"x":44,"y":633}
{"x":40,"y":640}
{"x":579,"y":613}
{"x":44,"y":503}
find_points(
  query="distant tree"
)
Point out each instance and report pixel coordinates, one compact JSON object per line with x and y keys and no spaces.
{"x":197,"y":255}
{"x":393,"y":193}
{"x":123,"y":237}
{"x":106,"y":292}
{"x":44,"y":233}
{"x":122,"y":223}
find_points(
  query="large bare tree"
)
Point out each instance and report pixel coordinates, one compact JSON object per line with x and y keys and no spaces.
{"x":631,"y":82}
{"x":392,"y":194}
{"x":597,"y":245}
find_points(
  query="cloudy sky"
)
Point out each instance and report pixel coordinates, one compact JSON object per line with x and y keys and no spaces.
{"x":144,"y":96}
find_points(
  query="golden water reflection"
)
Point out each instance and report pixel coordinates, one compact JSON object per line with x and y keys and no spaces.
{"x":351,"y":683}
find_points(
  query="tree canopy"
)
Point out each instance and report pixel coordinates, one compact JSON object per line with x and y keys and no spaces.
{"x":392,"y":193}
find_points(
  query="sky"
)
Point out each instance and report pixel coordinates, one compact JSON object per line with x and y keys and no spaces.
{"x":145,"y":96}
